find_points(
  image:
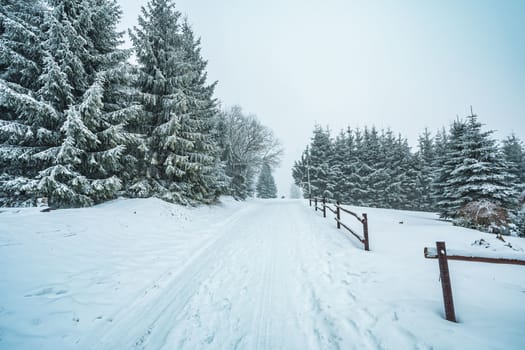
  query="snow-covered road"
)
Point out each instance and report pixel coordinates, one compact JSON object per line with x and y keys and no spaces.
{"x":265,"y":282}
{"x":270,"y":274}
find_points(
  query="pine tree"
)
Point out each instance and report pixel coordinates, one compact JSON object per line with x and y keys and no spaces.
{"x":441,"y":144}
{"x":320,"y":162}
{"x":301,"y":172}
{"x":514,"y":153}
{"x":85,"y":81}
{"x":448,"y":201}
{"x":266,"y":184}
{"x":179,"y":108}
{"x":424,"y":172}
{"x":337,"y":176}
{"x":198,"y":114}
{"x":476,"y":170}
{"x":24,"y":120}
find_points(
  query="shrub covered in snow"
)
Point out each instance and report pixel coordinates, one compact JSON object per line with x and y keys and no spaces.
{"x":484,"y":215}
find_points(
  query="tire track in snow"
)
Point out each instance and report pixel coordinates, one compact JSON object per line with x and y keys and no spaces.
{"x":274,"y":277}
{"x":123,"y":331}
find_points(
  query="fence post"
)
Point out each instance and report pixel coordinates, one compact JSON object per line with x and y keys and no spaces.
{"x":315,"y":200}
{"x":444,"y":275}
{"x":324,"y":207}
{"x":310,"y":199}
{"x":338,"y":214}
{"x":365,"y":231}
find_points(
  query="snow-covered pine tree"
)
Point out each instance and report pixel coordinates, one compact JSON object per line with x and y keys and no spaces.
{"x":355,"y":169}
{"x":406,"y":174}
{"x":350,"y":182}
{"x":24,"y":120}
{"x":85,"y":80}
{"x":178,"y":108}
{"x":448,"y":201}
{"x":388,"y":174}
{"x":202,"y":177}
{"x":300,"y":172}
{"x":372,"y":174}
{"x":424,"y":172}
{"x":266,"y":184}
{"x":477,"y":170}
{"x":337,"y":176}
{"x":320,"y":161}
{"x":441,"y":144}
{"x":514,"y":153}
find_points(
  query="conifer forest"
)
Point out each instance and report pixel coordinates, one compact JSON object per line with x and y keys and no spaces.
{"x":80,"y":124}
{"x":460,"y":172}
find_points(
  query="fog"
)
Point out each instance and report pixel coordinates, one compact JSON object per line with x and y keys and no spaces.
{"x":406,"y":65}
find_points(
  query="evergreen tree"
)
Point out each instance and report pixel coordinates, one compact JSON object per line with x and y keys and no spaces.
{"x":476,"y":170}
{"x":441,"y":144}
{"x":179,"y":108}
{"x":266,"y":184}
{"x":337,"y":170}
{"x":424,"y":172}
{"x":447,"y":200}
{"x":320,"y":162}
{"x":301,"y":172}
{"x":24,"y":120}
{"x":353,"y":169}
{"x":514,"y":153}
{"x":84,"y":80}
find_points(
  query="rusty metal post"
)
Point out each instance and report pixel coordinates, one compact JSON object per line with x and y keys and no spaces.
{"x":324,"y":207}
{"x":444,"y":275}
{"x":315,"y":200}
{"x":310,"y":199}
{"x":338,"y":214}
{"x":365,"y":231}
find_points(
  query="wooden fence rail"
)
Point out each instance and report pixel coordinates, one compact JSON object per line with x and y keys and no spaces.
{"x":440,"y":253}
{"x":337,"y":209}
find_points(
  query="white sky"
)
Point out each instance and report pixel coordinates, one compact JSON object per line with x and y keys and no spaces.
{"x":400,"y":64}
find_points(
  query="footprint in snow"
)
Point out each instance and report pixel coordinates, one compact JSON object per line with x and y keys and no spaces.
{"x":226,"y":304}
{"x":50,"y":292}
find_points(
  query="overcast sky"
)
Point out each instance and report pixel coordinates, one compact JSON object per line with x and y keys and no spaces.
{"x":400,"y":64}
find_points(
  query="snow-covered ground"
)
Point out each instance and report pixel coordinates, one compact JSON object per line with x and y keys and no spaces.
{"x":262,"y":274}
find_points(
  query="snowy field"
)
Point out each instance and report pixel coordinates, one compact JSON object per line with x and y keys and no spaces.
{"x":262,"y":274}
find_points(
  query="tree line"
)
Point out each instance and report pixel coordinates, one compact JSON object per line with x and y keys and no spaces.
{"x":80,"y":124}
{"x":462,"y":173}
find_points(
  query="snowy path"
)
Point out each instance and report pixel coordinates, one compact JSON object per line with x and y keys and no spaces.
{"x":262,"y":274}
{"x":257,"y":286}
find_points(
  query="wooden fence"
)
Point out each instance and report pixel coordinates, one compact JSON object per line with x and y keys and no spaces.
{"x":337,"y":209}
{"x":440,"y":253}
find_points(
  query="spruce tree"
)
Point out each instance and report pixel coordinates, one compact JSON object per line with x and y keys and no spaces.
{"x":24,"y":120}
{"x":476,"y":170}
{"x":266,"y":184}
{"x":424,"y":172}
{"x":300,"y":172}
{"x":85,"y":81}
{"x":320,"y":162}
{"x":514,"y":153}
{"x":337,"y":176}
{"x":179,"y":109}
{"x":449,"y":201}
